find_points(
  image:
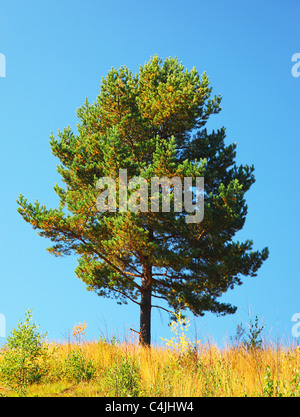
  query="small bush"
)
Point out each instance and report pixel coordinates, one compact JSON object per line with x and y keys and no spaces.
{"x":23,"y":356}
{"x":77,"y":367}
{"x":252,"y":340}
{"x":180,"y":343}
{"x":123,"y":378}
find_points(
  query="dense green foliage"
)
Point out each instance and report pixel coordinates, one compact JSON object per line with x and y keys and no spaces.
{"x":153,"y":125}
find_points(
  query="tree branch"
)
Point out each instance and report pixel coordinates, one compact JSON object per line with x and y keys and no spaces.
{"x":105,"y":260}
{"x":168,"y":311}
{"x":125,"y":295}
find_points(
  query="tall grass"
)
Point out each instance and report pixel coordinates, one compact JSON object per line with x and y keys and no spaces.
{"x":108,"y":368}
{"x":131,"y":370}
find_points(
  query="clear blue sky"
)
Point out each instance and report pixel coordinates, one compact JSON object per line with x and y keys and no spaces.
{"x":56,"y":55}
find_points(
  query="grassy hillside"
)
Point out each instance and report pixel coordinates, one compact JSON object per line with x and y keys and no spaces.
{"x":30,"y":366}
{"x":104,"y":369}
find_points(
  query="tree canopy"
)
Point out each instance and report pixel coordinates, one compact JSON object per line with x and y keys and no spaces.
{"x":153,"y":125}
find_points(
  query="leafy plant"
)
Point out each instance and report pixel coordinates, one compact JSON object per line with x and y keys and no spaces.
{"x":252,"y":339}
{"x":123,"y":378}
{"x":77,"y":367}
{"x":79,"y":331}
{"x":113,"y":341}
{"x":180,"y":342}
{"x":24,"y":354}
{"x":268,"y":388}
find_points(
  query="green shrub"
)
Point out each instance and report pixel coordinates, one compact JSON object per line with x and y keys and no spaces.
{"x":123,"y":378}
{"x":23,"y":356}
{"x":77,"y":367}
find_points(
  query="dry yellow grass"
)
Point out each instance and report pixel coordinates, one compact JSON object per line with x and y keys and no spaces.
{"x":130,"y":370}
{"x":181,"y":369}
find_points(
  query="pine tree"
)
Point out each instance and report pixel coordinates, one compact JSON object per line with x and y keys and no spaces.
{"x":153,"y":125}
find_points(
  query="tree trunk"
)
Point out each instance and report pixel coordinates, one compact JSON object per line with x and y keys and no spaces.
{"x":145,"y":315}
